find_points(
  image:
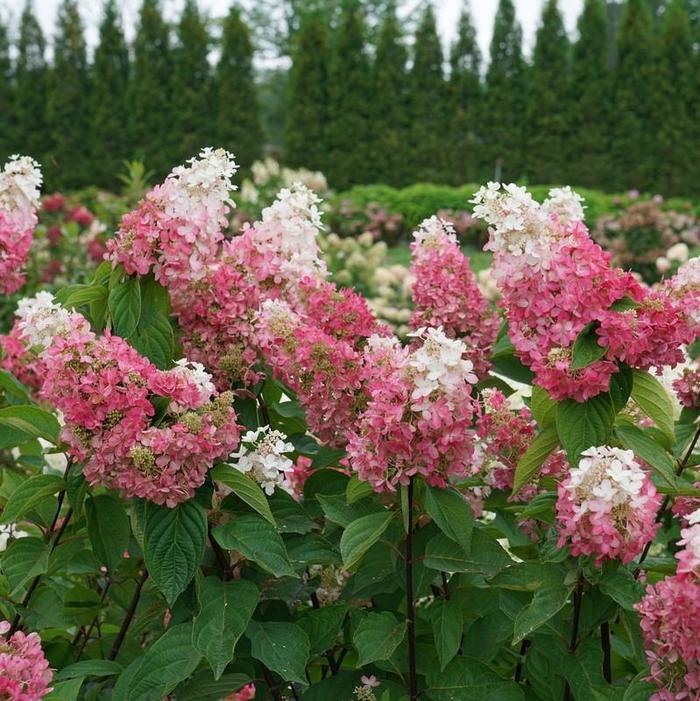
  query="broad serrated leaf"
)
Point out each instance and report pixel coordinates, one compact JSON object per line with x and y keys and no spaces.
{"x":158,"y":670}
{"x":653,"y":400}
{"x":257,"y":541}
{"x":89,"y":668}
{"x":538,"y":451}
{"x":108,"y":529}
{"x":581,"y":425}
{"x":586,"y":349}
{"x":621,"y":387}
{"x":282,"y":647}
{"x":244,"y":488}
{"x":173,"y":545}
{"x":203,"y":687}
{"x":30,"y":494}
{"x":448,"y":624}
{"x":153,"y":335}
{"x":546,"y":602}
{"x":451,"y":513}
{"x":226,"y":610}
{"x":377,"y":636}
{"x":646,"y":448}
{"x":622,"y":587}
{"x":357,"y":489}
{"x":543,"y":407}
{"x":322,"y":626}
{"x":31,"y":420}
{"x":361,"y":535}
{"x":486,"y":556}
{"x":124,"y":303}
{"x":467,"y":678}
{"x":24,"y":559}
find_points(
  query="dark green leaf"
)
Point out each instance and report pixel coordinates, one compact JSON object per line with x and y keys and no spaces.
{"x":653,"y":400}
{"x":533,"y":458}
{"x":108,"y":528}
{"x":448,"y":623}
{"x":377,"y":636}
{"x":282,"y":647}
{"x":586,"y":349}
{"x":451,"y":513}
{"x":30,"y":494}
{"x":581,"y":425}
{"x":245,"y":488}
{"x":361,"y":535}
{"x":124,"y":304}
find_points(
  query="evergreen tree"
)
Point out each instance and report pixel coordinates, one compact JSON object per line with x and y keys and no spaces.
{"x":193,"y":123}
{"x":590,"y":98}
{"x":465,"y":97}
{"x":69,"y":163}
{"x":632,"y":149}
{"x":237,"y":112}
{"x":505,"y":96}
{"x":307,"y":110}
{"x":548,"y":107}
{"x":7,"y":133}
{"x":428,"y":105}
{"x":109,"y":113}
{"x":31,"y":77}
{"x":390,"y":91}
{"x":150,"y":105}
{"x":349,"y":125}
{"x":673,"y":103}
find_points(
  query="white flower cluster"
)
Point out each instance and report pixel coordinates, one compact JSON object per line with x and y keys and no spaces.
{"x":20,"y":184}
{"x":291,"y":225}
{"x":520,"y":225}
{"x":262,"y":456}
{"x":609,"y":475}
{"x":41,"y":319}
{"x":688,"y":276}
{"x":434,"y":232}
{"x":208,"y":174}
{"x":438,"y":365}
{"x":565,"y":203}
{"x":197,"y":375}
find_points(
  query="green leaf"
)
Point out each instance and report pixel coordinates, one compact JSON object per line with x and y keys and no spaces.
{"x":448,"y":624}
{"x":653,"y":400}
{"x":377,"y":636}
{"x":203,"y":687}
{"x":66,"y":690}
{"x":30,"y":494}
{"x":244,"y":488}
{"x":282,"y":647}
{"x":546,"y":602}
{"x":621,"y":387}
{"x":124,"y":303}
{"x":467,"y":678}
{"x":227,"y":608}
{"x":361,"y":535}
{"x":157,"y":671}
{"x":357,"y":489}
{"x":451,"y":513}
{"x":13,"y":388}
{"x":322,"y":626}
{"x":539,"y":450}
{"x":89,"y":668}
{"x":622,"y":587}
{"x":543,"y":407}
{"x":31,"y":420}
{"x":509,"y":366}
{"x":586,"y":349}
{"x":581,"y":425}
{"x":486,"y":556}
{"x":77,"y":295}
{"x":108,"y":529}
{"x":174,"y":545}
{"x":257,"y":541}
{"x":153,"y":335}
{"x":648,"y":450}
{"x":24,"y":559}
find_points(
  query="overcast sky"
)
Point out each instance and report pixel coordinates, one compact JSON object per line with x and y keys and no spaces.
{"x":448,"y":11}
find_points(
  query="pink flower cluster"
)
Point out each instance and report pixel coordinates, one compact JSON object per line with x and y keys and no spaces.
{"x":419,"y":414}
{"x":556,"y":281}
{"x":670,"y":622}
{"x":20,"y":181}
{"x":607,"y":506}
{"x":445,"y":292}
{"x":21,"y":361}
{"x":247,"y":693}
{"x":687,"y":388}
{"x":24,"y":671}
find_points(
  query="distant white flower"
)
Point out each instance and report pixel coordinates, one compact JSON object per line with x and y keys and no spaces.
{"x":209,"y":173}
{"x":41,"y":319}
{"x":435,"y":232}
{"x":663,"y":264}
{"x":20,"y":184}
{"x":565,"y":203}
{"x":679,"y":252}
{"x":262,"y":455}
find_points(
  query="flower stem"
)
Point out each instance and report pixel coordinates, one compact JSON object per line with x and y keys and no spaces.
{"x":607,"y":659}
{"x":578,"y":596}
{"x":129,"y":616}
{"x":410,"y":603}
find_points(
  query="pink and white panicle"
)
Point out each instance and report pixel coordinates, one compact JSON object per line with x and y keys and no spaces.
{"x":670,"y":622}
{"x":607,"y":506}
{"x":418,"y":418}
{"x":20,"y":182}
{"x":24,"y":671}
{"x":176,"y":229}
{"x":555,"y":281}
{"x":445,"y":292}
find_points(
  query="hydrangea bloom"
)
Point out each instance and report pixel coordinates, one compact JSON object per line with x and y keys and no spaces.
{"x":20,"y":181}
{"x":177,"y":227}
{"x":607,"y":506}
{"x":20,"y":360}
{"x":685,"y":286}
{"x":418,"y":416}
{"x":24,"y":671}
{"x":687,"y":388}
{"x":445,"y":292}
{"x":670,"y":622}
{"x":263,"y":455}
{"x":41,"y":318}
{"x":555,"y":281}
